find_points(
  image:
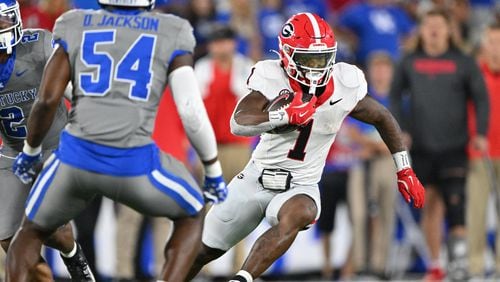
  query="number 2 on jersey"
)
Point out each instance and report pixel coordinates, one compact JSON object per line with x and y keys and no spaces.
{"x":134,"y":67}
{"x":299,"y":150}
{"x":11,"y":118}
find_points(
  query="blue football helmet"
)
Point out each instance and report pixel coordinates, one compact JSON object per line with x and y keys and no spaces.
{"x":11,"y":27}
{"x":148,"y":4}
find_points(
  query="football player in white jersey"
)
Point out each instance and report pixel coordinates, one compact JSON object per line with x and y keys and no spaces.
{"x":280,"y":183}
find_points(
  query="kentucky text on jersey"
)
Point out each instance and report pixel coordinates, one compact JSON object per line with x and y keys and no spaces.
{"x":128,"y":21}
{"x":17,"y":97}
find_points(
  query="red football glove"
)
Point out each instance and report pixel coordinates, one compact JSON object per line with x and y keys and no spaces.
{"x":300,"y":113}
{"x":410,"y":187}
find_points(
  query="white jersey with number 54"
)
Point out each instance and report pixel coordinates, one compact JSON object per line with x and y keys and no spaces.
{"x":303,"y":152}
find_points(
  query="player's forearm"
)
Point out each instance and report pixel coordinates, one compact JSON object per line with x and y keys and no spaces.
{"x":249,"y":128}
{"x":198,"y":129}
{"x":39,"y":122}
{"x":253,"y":121}
{"x":370,"y":111}
{"x":203,"y":142}
{"x":54,"y":81}
{"x":390,"y":132}
{"x":192,"y":112}
{"x":250,"y":117}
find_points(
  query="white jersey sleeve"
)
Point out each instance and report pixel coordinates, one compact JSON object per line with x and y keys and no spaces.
{"x":352,"y":77}
{"x":239,"y":75}
{"x":267,"y":76}
{"x":192,"y":112}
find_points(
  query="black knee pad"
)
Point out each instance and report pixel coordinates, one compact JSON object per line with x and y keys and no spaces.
{"x":453,"y":192}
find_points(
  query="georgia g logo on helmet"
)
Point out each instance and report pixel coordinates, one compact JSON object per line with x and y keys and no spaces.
{"x":287,"y":30}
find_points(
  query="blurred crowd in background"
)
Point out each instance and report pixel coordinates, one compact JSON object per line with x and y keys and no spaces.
{"x":373,"y":34}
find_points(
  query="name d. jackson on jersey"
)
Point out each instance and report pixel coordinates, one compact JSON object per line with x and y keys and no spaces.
{"x":128,"y":21}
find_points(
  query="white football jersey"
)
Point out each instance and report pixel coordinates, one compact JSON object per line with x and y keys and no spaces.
{"x":304,"y":151}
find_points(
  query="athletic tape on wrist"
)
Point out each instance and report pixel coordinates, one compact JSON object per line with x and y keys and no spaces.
{"x":245,"y":275}
{"x":213,"y":170}
{"x":30,"y":151}
{"x":278,"y":118}
{"x":401,"y":160}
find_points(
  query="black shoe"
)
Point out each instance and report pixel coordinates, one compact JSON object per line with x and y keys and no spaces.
{"x":78,"y":267}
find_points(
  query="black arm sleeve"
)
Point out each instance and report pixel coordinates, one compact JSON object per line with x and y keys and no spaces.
{"x":399,"y":85}
{"x":477,"y":91}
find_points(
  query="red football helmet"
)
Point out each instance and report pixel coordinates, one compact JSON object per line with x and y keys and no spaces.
{"x":307,"y":49}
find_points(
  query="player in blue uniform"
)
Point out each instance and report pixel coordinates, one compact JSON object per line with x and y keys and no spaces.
{"x":23,"y":55}
{"x":119,"y":60}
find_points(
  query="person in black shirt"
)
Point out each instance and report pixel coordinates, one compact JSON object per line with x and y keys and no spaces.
{"x":439,"y":80}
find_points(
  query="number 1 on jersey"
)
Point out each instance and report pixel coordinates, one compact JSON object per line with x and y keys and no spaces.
{"x":134,"y":67}
{"x":299,"y":150}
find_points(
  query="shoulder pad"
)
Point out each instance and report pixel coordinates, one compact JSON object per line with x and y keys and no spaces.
{"x":172,"y":20}
{"x":347,"y":74}
{"x":170,"y":17}
{"x":33,"y":35}
{"x":72,"y":13}
{"x":268,"y":69}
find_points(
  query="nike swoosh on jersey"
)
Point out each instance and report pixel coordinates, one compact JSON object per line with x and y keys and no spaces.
{"x":335,"y":102}
{"x":19,"y":73}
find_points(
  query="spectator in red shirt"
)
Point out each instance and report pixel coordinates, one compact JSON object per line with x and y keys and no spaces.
{"x":483,"y":166}
{"x":222,"y":76}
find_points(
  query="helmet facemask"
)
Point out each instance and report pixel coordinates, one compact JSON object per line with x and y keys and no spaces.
{"x":312,"y":66}
{"x":10,"y":27}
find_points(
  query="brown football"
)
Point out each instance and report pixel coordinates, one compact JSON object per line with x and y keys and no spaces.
{"x":279,"y":103}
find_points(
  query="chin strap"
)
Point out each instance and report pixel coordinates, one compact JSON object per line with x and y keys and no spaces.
{"x":294,"y":84}
{"x":6,"y":40}
{"x":314,"y":78}
{"x":322,"y":97}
